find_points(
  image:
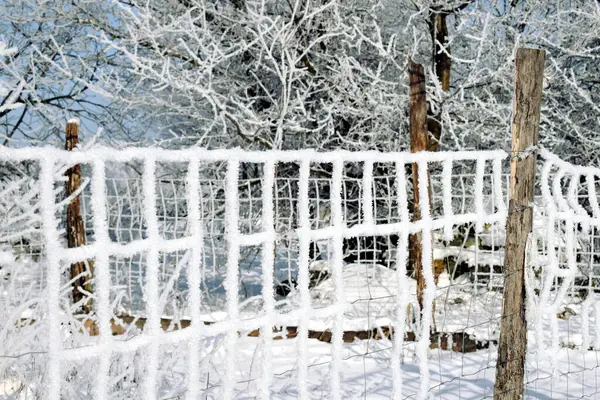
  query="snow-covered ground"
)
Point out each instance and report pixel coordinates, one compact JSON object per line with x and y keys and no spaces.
{"x":366,"y":366}
{"x":366,"y":373}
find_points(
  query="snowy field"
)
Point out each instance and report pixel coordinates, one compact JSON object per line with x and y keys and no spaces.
{"x":366,"y":373}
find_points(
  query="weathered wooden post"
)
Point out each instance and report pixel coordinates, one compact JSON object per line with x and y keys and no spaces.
{"x":419,"y":141}
{"x":512,"y":347}
{"x":81,"y":272}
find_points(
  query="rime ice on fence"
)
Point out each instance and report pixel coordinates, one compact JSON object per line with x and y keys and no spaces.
{"x":402,"y":294}
{"x":337,"y":262}
{"x":102,"y":275}
{"x":231,"y":282}
{"x":52,"y":255}
{"x":303,"y":278}
{"x":194,"y":277}
{"x":567,"y":219}
{"x":268,"y":272}
{"x":153,"y":337}
{"x":563,"y":194}
{"x":152,"y":293}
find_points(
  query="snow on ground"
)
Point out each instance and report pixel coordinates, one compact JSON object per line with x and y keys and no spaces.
{"x":366,"y":369}
{"x":366,"y":373}
{"x":366,"y":364}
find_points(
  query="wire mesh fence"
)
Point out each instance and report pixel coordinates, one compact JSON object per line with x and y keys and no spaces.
{"x":477,"y":254}
{"x":315,"y":255}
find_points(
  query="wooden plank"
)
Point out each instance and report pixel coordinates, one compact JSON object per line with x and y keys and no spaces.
{"x":81,"y":272}
{"x":512,"y":348}
{"x":418,"y":142}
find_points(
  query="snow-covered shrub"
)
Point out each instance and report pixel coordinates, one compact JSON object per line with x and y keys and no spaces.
{"x":22,"y":301}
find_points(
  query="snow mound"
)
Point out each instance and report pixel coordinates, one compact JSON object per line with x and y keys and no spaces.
{"x":14,"y":389}
{"x":370,"y":294}
{"x":319,"y":266}
{"x":362,"y":282}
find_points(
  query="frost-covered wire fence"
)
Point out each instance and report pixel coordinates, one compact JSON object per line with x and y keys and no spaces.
{"x":186,"y":269}
{"x":479,"y":255}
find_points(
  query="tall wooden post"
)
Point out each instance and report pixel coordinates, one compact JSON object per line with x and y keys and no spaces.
{"x":418,"y":142}
{"x":81,"y":272}
{"x":512,"y":347}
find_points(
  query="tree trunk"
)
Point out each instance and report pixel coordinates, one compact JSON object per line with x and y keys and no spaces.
{"x":512,"y":347}
{"x":443,"y":65}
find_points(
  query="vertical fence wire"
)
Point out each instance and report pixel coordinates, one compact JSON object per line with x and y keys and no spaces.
{"x":232,"y":279}
{"x":268,"y":270}
{"x":102,"y":275}
{"x":194,"y":277}
{"x":430,"y":287}
{"x":153,"y":327}
{"x":51,"y":240}
{"x":402,"y":295}
{"x":303,"y":277}
{"x":338,"y":279}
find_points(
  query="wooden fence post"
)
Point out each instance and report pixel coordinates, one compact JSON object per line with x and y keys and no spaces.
{"x":512,"y":347}
{"x":419,"y":141}
{"x":81,"y":272}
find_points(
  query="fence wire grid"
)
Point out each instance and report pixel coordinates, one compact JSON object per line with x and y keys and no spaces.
{"x":242,"y":274}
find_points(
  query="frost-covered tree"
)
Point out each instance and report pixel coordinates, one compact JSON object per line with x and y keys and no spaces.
{"x":258,"y":74}
{"x":47,"y":76}
{"x":475,"y":111}
{"x":322,"y":74}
